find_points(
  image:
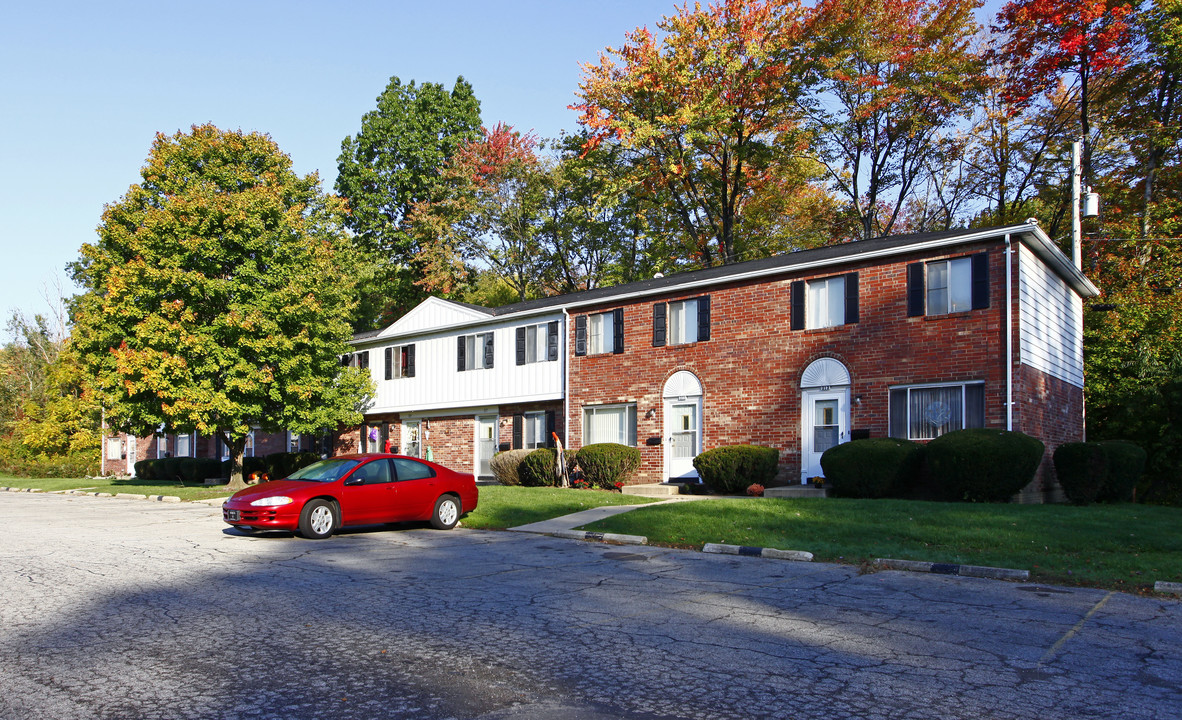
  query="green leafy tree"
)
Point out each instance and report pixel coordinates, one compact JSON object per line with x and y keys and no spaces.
{"x":893,"y":76}
{"x":218,"y":295}
{"x":393,"y":163}
{"x":706,"y":113}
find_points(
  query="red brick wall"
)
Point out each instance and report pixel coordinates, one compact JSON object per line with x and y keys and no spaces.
{"x":1052,"y":411}
{"x":750,"y":368}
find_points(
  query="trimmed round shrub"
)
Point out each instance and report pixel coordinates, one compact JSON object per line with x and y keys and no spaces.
{"x":167,"y":469}
{"x":871,"y":468}
{"x":505,"y":466}
{"x":143,"y":470}
{"x":537,"y":468}
{"x":608,"y":465}
{"x":731,"y":468}
{"x":1126,"y":463}
{"x":1082,"y":468}
{"x":982,"y":464}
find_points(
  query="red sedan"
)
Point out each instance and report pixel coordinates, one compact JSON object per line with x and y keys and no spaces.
{"x":349,"y":490}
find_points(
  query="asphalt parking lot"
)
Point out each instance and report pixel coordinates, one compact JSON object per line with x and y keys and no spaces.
{"x":129,"y":609}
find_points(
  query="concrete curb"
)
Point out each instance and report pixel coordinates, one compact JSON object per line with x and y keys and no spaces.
{"x":977,"y":571}
{"x":605,"y":537}
{"x":1169,"y":588}
{"x":720,"y":549}
{"x":28,"y":490}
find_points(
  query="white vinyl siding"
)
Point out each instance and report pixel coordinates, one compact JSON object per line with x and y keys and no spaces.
{"x":437,"y":384}
{"x":825,"y":303}
{"x":1050,"y":321}
{"x":683,"y":322}
{"x":609,"y":424}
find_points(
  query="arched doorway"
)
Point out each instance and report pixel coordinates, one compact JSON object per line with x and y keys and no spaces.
{"x":825,"y":413}
{"x":683,"y":425}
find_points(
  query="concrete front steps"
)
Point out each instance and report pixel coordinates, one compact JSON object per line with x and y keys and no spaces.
{"x":674,"y":489}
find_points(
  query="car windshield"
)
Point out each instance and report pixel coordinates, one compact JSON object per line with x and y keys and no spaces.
{"x":324,"y":471}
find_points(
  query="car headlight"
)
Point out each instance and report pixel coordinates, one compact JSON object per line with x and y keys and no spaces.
{"x":271,"y":501}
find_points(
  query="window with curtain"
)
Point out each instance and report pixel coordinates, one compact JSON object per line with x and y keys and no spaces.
{"x":609,"y":424}
{"x":826,"y":302}
{"x":928,"y":411}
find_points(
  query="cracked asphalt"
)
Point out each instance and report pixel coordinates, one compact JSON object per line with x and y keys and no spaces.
{"x":120,"y":609}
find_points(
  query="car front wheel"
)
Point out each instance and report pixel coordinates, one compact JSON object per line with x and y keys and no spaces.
{"x":447,"y":512}
{"x":317,"y":520}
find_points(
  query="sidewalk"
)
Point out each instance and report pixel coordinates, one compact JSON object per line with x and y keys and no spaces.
{"x":574,"y":520}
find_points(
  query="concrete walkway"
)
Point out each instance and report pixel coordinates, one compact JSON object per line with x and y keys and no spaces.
{"x":574,"y":520}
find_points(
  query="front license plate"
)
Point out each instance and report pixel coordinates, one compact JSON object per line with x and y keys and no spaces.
{"x":233,"y":515}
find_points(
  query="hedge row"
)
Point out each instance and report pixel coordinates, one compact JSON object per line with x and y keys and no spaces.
{"x":603,"y":465}
{"x":978,"y":465}
{"x":1099,"y":471}
{"x":197,"y":470}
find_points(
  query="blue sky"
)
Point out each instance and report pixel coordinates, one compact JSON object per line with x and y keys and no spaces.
{"x":86,"y":86}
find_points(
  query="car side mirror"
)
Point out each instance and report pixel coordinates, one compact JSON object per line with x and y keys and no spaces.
{"x":354,"y":481}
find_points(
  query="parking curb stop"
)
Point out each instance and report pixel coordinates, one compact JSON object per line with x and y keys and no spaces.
{"x":721,"y":549}
{"x":977,"y":571}
{"x":605,"y":537}
{"x":1169,"y":588}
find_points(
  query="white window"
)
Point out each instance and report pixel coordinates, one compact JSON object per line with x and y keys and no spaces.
{"x":825,"y":302}
{"x":400,"y":362}
{"x":248,"y":451}
{"x":477,"y":351}
{"x":533,"y":431}
{"x":683,"y":322}
{"x":950,"y":286}
{"x":924,"y":412}
{"x":609,"y":424}
{"x":293,"y":442}
{"x":535,"y":343}
{"x":601,"y":333}
{"x":114,"y":449}
{"x":184,"y":445}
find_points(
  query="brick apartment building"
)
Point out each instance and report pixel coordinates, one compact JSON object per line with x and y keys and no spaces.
{"x":904,"y":336}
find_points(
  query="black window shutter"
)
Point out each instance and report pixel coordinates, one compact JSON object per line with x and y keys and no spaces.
{"x":552,"y":340}
{"x":520,"y":346}
{"x":915,"y":304}
{"x":618,"y":327}
{"x":703,"y":318}
{"x":410,"y":360}
{"x":345,"y":360}
{"x":581,"y":335}
{"x":488,"y":351}
{"x":518,"y":421}
{"x":389,"y":363}
{"x":797,"y":310}
{"x":980,"y":281}
{"x":549,"y":428}
{"x":460,"y":365}
{"x":851,"y":298}
{"x":658,"y":324}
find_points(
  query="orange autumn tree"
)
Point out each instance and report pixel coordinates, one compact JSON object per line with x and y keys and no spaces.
{"x":1055,"y":38}
{"x":704,"y":109}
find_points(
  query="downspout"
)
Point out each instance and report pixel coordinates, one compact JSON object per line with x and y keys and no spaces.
{"x":1009,"y":335}
{"x":566,"y":378}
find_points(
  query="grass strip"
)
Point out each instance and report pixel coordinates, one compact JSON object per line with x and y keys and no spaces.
{"x":505,"y":507}
{"x":1124,"y":547}
{"x":109,"y":485}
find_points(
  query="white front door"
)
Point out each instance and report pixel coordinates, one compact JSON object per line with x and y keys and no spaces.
{"x":411,"y":444}
{"x":683,"y":437}
{"x":825,"y":422}
{"x":131,"y":454}
{"x":486,"y":443}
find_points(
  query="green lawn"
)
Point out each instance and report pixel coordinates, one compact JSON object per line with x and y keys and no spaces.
{"x":107,"y":485}
{"x":506,"y":507}
{"x":1124,"y":547}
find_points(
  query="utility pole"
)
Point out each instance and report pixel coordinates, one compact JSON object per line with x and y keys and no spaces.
{"x":1076,"y":225}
